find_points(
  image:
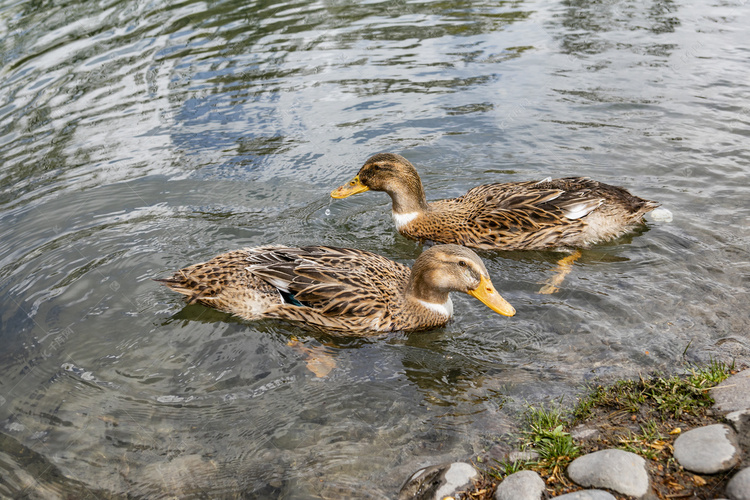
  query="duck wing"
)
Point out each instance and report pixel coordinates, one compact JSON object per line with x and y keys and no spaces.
{"x":523,"y":215}
{"x":332,"y":281}
{"x":531,"y":205}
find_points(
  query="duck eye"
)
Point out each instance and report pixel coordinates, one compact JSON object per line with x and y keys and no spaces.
{"x":462,"y":263}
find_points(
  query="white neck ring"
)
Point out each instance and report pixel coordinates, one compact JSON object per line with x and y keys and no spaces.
{"x":445,"y":310}
{"x":402,"y":220}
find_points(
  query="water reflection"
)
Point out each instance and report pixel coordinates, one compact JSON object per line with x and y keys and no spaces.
{"x":137,"y":137}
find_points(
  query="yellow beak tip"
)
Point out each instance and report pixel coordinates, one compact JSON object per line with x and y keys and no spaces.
{"x":353,"y":187}
{"x":487,"y":294}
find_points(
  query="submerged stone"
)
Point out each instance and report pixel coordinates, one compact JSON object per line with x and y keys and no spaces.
{"x":438,"y":481}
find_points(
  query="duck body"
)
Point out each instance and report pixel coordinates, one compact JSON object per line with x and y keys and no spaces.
{"x":338,"y":289}
{"x":548,"y":214}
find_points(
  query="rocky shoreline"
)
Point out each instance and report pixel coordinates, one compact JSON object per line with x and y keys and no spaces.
{"x":608,"y":474}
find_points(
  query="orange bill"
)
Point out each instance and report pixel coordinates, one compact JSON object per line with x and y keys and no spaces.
{"x":350,"y":188}
{"x":488,"y":295}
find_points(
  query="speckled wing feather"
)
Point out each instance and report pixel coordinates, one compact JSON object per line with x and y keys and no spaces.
{"x":332,"y":281}
{"x":534,"y":204}
{"x":225,"y":284}
{"x":526,"y":214}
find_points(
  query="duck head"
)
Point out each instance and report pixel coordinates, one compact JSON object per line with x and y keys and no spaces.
{"x":392,"y":174}
{"x":442,"y":269}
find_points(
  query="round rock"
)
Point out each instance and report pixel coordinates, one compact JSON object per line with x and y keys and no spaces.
{"x":739,"y":486}
{"x":523,"y":485}
{"x":438,"y":481}
{"x":587,"y":495}
{"x":707,"y":450}
{"x":617,"y":470}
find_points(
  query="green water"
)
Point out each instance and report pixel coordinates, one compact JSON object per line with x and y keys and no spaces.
{"x":139,"y":137}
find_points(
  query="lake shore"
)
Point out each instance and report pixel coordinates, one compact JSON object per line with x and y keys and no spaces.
{"x":662,"y":437}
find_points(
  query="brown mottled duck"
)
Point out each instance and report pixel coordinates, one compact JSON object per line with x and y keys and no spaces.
{"x":339,"y":289}
{"x":548,"y":214}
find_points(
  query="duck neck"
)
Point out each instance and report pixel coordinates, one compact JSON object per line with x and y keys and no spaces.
{"x":409,"y":198}
{"x":421,"y":291}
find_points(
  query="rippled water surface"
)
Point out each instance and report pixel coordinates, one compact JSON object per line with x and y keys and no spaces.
{"x":137,"y":137}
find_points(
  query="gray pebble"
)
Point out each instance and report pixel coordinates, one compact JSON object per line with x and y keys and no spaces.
{"x":582,"y":433}
{"x":617,"y":470}
{"x":707,"y":450}
{"x":739,"y":486}
{"x":587,"y":495}
{"x":522,"y":456}
{"x":523,"y":485}
{"x":438,"y":481}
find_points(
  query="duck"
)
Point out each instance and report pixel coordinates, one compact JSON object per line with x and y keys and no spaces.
{"x":339,"y":290}
{"x":548,"y":214}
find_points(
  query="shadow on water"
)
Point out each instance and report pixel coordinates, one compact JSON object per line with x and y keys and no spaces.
{"x":139,"y":137}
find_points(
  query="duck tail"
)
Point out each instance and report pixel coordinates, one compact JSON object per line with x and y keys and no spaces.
{"x":645,"y":207}
{"x":180,"y":285}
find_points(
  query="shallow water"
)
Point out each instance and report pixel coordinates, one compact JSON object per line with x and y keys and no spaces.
{"x":139,"y":137}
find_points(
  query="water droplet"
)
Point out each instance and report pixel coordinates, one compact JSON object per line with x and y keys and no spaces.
{"x":328,"y":208}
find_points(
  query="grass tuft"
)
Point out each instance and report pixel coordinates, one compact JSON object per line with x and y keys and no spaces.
{"x":505,"y":468}
{"x":672,"y":396}
{"x":545,"y":434}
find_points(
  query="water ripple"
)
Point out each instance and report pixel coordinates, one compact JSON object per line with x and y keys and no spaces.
{"x":138,"y":137}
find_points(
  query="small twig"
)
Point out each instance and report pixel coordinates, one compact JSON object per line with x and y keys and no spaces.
{"x":721,"y":387}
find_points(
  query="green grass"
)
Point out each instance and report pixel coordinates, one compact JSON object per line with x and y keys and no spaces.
{"x":505,"y":468}
{"x":649,"y":443}
{"x":540,"y":420}
{"x":546,"y":435}
{"x":669,"y":395}
{"x":712,"y":374}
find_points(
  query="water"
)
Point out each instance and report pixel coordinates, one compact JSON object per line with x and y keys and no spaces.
{"x":139,"y":137}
